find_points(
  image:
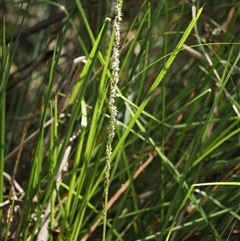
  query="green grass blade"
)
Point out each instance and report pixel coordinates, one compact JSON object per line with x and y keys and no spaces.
{"x":156,"y":82}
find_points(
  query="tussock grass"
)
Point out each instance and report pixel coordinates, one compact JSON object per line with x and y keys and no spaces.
{"x":175,"y":158}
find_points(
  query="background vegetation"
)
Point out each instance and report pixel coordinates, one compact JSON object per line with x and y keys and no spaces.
{"x":175,"y":163}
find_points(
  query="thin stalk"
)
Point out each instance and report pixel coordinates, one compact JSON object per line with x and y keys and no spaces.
{"x":112,"y":108}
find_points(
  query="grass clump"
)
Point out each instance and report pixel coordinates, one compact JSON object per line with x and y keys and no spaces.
{"x":175,"y":155}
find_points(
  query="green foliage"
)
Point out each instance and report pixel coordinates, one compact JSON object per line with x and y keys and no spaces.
{"x":175,"y":158}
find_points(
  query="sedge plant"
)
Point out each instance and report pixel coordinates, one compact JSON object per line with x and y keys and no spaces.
{"x":163,"y":80}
